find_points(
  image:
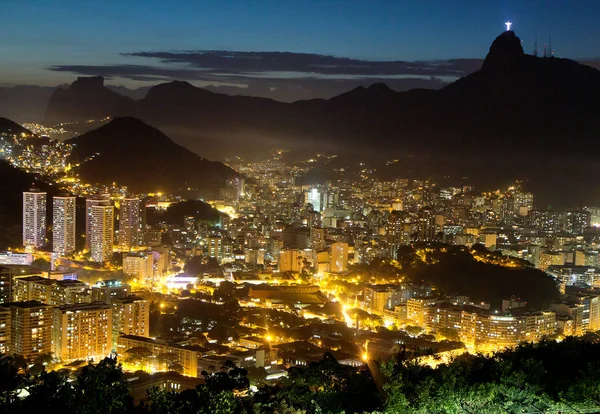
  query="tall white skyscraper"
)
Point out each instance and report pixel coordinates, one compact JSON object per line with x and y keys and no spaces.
{"x":313,"y":196}
{"x":34,"y":218}
{"x":131,"y":223}
{"x":339,"y":257}
{"x":92,"y":201}
{"x":63,"y":225}
{"x":102,"y":233}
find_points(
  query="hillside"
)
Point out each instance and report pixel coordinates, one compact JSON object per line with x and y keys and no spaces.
{"x":10,"y":128}
{"x":134,"y":154}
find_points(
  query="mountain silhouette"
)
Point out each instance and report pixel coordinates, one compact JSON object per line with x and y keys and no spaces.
{"x":9,"y":128}
{"x":133,"y":154}
{"x":87,"y":98}
{"x":516,"y":105}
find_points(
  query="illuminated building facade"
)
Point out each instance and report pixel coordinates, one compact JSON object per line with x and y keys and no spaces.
{"x":131,"y":316}
{"x":89,"y":203}
{"x":317,"y":238}
{"x":290,"y":260}
{"x":395,"y":233}
{"x":34,"y":219}
{"x":30,"y":329}
{"x":187,"y":356}
{"x":63,"y":225}
{"x":215,"y":247}
{"x":4,"y":330}
{"x":102,"y":233}
{"x":313,"y":197}
{"x":376,"y":299}
{"x":131,"y":223}
{"x":82,"y":331}
{"x":6,"y":276}
{"x":140,"y":266}
{"x":49,"y":291}
{"x":417,"y":311}
{"x":577,"y":221}
{"x":339,"y":257}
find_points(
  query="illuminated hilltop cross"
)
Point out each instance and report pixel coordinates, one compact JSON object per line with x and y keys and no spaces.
{"x":508,"y":24}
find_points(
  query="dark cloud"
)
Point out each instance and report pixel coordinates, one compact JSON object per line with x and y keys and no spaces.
{"x":133,"y":72}
{"x":259,"y":62}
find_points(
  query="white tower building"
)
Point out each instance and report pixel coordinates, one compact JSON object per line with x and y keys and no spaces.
{"x":34,"y":218}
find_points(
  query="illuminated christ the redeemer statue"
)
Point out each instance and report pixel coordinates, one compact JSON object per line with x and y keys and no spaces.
{"x":508,"y":24}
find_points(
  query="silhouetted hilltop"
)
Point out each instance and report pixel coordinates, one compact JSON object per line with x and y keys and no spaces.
{"x":86,"y":98}
{"x":510,"y":102}
{"x":134,"y":154}
{"x":8,"y":127}
{"x":504,"y":52}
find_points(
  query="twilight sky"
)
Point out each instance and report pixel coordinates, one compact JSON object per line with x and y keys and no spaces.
{"x":141,"y":42}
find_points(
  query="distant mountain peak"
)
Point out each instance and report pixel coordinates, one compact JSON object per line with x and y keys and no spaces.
{"x":129,"y":121}
{"x":10,"y":127}
{"x":132,"y":153}
{"x":381,"y":88}
{"x":506,"y":50}
{"x":88,"y":82}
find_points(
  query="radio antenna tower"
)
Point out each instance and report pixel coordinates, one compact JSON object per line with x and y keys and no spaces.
{"x":535,"y":47}
{"x":545,"y":50}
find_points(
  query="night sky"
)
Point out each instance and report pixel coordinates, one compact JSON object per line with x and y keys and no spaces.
{"x":51,"y":42}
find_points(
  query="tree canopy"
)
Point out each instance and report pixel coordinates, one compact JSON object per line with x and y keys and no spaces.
{"x":546,"y":377}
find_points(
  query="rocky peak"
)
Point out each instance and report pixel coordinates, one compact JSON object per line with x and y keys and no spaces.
{"x":505,"y":51}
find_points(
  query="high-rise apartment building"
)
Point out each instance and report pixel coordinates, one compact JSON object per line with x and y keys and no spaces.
{"x":34,"y":218}
{"x":339,"y":257}
{"x":4,"y":330}
{"x":63,"y":225}
{"x":131,"y":223}
{"x":139,"y":265}
{"x":102,"y":233}
{"x":6,"y":276}
{"x":131,"y":316}
{"x":215,"y":247}
{"x":426,"y":224}
{"x":313,"y":197}
{"x":82,"y":331}
{"x":290,"y":260}
{"x":30,"y":329}
{"x":577,"y":221}
{"x":317,"y":238}
{"x":395,"y":234}
{"x":89,"y":203}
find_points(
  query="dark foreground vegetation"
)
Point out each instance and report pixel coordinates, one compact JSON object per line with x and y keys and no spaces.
{"x":550,"y":377}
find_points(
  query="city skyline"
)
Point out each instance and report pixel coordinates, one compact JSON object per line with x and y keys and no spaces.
{"x":306,"y":206}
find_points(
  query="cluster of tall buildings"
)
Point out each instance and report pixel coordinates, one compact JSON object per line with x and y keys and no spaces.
{"x":100,"y":217}
{"x":63,"y":222}
{"x":68,"y":318}
{"x":280,"y":225}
